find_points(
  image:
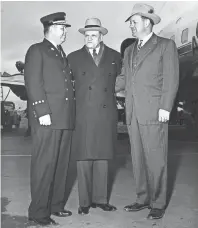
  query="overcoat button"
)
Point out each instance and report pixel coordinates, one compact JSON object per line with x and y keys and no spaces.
{"x":104,"y":106}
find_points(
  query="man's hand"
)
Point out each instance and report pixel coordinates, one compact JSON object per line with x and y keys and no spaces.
{"x":45,"y":120}
{"x":163,"y":115}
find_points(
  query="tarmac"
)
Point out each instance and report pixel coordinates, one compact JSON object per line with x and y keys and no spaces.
{"x":182,"y":210}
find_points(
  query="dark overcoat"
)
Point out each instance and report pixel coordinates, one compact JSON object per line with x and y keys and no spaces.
{"x":95,"y":131}
{"x":151,"y":81}
{"x":49,"y":86}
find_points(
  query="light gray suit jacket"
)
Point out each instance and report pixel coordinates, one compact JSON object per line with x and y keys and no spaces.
{"x":152,"y":83}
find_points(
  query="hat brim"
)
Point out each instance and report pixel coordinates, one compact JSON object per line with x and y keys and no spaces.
{"x":62,"y":23}
{"x":104,"y":31}
{"x":154,"y":17}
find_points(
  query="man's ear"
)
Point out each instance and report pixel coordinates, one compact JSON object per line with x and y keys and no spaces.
{"x":101,"y":37}
{"x":147,"y":22}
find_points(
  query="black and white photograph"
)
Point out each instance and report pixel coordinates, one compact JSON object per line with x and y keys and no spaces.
{"x":99,"y":114}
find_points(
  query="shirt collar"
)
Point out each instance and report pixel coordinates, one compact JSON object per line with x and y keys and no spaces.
{"x":146,"y":38}
{"x":97,"y":50}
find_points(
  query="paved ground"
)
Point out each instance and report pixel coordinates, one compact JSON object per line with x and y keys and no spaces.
{"x":182,"y":211}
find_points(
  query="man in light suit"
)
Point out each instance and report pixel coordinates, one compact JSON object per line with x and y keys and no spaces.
{"x":150,"y":77}
{"x":95,"y":68}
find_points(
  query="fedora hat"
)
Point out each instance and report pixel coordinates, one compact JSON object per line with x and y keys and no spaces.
{"x":145,"y":11}
{"x":93,"y":24}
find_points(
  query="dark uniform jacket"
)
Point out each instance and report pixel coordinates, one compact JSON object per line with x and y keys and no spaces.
{"x":49,"y":86}
{"x":96,"y":112}
{"x":150,"y":79}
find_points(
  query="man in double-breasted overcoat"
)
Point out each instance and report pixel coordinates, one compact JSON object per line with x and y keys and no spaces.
{"x":50,"y":91}
{"x":150,"y":77}
{"x":94,"y":68}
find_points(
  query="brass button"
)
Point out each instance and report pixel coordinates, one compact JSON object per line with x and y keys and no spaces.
{"x":104,"y":106}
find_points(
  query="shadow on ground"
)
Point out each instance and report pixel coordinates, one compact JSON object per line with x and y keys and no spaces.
{"x":12,"y":221}
{"x":172,"y":164}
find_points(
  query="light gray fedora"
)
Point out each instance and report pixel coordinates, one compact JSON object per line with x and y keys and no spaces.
{"x":145,"y":11}
{"x":93,"y":24}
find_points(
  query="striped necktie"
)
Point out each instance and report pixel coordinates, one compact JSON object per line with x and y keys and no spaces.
{"x":139,"y":45}
{"x":95,"y":55}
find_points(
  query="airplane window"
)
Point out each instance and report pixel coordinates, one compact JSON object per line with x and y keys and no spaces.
{"x":184,"y":37}
{"x":173,"y":37}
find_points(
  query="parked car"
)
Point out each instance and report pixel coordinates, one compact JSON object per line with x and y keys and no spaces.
{"x":9,"y":115}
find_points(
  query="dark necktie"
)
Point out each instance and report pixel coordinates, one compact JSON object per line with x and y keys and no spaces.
{"x":139,"y":45}
{"x":94,"y":55}
{"x":59,"y":50}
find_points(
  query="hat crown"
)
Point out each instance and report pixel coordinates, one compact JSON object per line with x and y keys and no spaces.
{"x":58,"y":18}
{"x":142,"y":8}
{"x":93,"y":24}
{"x":93,"y":21}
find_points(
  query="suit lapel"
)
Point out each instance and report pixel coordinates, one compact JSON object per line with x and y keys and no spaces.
{"x":131,"y":54}
{"x":147,"y":48}
{"x":64,"y":57}
{"x":53,"y":49}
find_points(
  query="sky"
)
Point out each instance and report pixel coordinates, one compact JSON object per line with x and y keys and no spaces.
{"x":21,"y":26}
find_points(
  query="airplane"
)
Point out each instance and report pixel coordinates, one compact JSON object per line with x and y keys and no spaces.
{"x":184,"y":31}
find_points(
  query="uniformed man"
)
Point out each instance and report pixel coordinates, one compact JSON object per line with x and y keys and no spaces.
{"x":52,"y":107}
{"x":94,"y":67}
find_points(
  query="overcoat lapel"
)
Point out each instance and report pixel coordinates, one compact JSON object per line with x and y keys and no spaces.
{"x":90,"y":64}
{"x":103,"y":56}
{"x":87,"y":56}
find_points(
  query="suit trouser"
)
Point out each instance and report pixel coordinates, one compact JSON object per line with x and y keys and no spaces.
{"x":49,"y":165}
{"x":149,"y":146}
{"x":92,"y":181}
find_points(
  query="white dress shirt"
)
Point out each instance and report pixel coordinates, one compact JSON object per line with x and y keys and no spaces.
{"x":146,"y":38}
{"x":97,"y":50}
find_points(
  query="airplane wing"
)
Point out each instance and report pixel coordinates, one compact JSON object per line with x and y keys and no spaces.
{"x":15,"y":83}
